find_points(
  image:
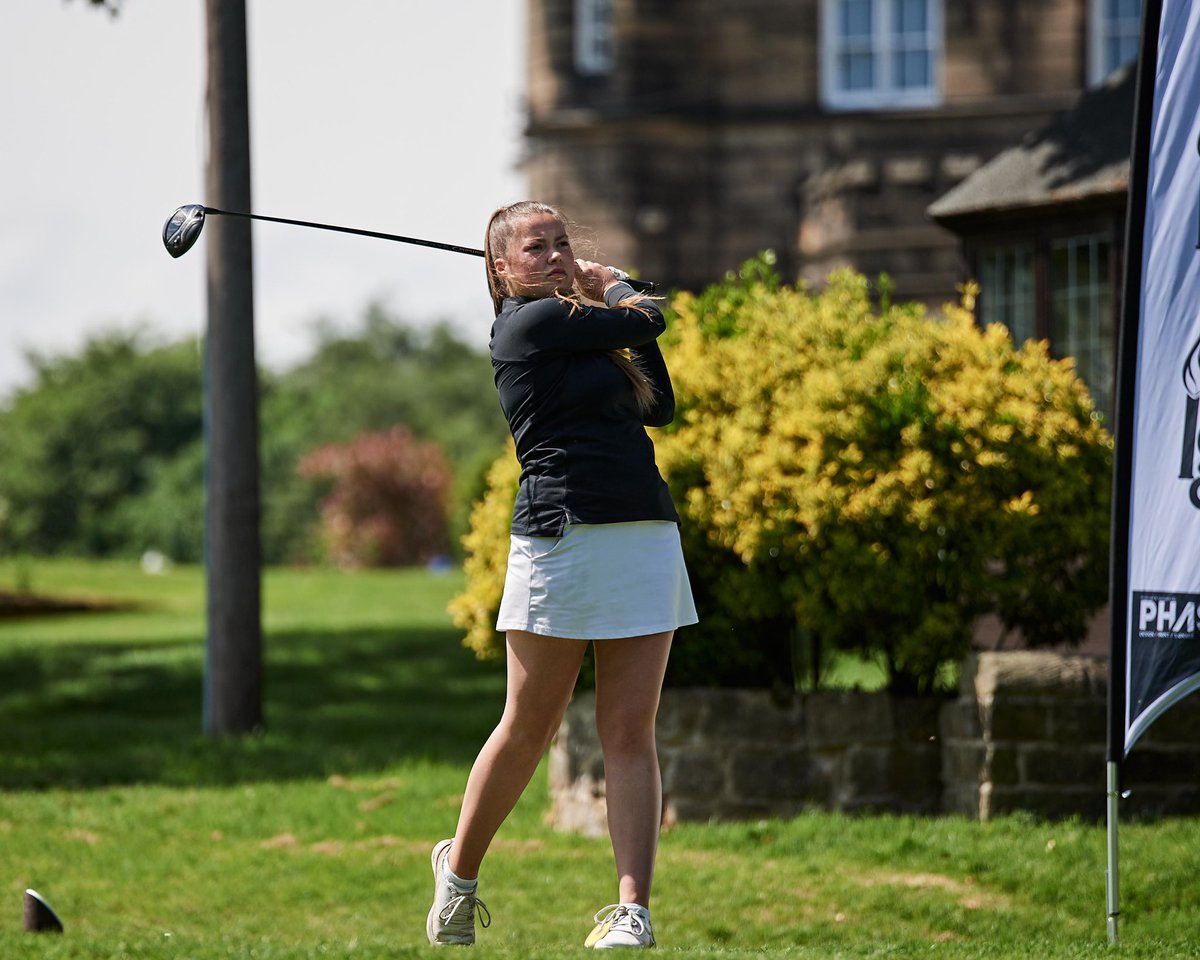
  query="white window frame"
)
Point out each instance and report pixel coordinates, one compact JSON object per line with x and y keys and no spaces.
{"x":1100,"y":29}
{"x":594,"y":37}
{"x":883,"y":95}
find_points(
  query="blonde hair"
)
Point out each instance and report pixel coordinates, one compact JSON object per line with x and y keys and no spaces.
{"x":501,"y":228}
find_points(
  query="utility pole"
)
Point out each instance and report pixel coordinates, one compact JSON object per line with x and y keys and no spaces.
{"x":233,"y":652}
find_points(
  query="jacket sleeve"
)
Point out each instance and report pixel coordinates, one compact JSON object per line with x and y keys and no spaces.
{"x":552,"y":326}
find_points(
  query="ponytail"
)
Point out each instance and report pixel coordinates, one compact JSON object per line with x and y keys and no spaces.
{"x":643,"y":389}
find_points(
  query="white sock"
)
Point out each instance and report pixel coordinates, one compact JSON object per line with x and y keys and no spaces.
{"x":463,"y":886}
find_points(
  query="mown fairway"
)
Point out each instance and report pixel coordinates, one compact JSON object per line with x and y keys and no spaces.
{"x":312,"y":839}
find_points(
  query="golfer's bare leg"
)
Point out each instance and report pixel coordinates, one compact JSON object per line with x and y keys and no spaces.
{"x":629,"y":677}
{"x":541,"y":677}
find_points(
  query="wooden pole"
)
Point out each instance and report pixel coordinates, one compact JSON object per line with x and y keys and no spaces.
{"x":233,"y":656}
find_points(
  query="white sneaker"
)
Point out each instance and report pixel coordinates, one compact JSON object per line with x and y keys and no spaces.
{"x":451,"y":919}
{"x":621,"y":925}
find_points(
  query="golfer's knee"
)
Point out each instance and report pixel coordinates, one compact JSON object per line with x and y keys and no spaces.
{"x":530,"y":735}
{"x":626,"y":735}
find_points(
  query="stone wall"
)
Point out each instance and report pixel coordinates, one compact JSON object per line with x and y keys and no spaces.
{"x":738,"y":754}
{"x":1026,"y":731}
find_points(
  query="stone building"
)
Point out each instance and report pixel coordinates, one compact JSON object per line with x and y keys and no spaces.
{"x":1042,"y":227}
{"x":692,"y":135}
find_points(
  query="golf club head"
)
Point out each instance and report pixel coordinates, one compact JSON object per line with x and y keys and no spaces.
{"x":39,"y":915}
{"x":183,"y":228}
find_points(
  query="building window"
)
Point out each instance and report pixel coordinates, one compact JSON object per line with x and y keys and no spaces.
{"x":881,"y":53}
{"x":1062,"y":289}
{"x":1006,"y":290}
{"x":1116,"y":28}
{"x":594,"y":37}
{"x":1081,"y":311}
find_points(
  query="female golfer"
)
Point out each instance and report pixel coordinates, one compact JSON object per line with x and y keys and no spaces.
{"x":594,"y":557}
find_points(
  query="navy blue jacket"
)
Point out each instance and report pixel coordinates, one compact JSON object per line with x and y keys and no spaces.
{"x":580,"y":435}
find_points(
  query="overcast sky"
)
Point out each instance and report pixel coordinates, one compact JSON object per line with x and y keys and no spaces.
{"x":395,"y":115}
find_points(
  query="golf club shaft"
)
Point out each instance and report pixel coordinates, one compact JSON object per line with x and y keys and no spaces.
{"x":471,"y":251}
{"x":642,"y":286}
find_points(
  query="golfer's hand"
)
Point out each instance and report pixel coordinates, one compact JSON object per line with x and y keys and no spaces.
{"x":593,"y":279}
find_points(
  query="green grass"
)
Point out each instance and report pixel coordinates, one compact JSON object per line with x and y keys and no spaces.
{"x":311,"y":840}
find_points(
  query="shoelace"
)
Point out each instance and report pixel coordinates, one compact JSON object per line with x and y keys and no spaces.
{"x":622,"y":919}
{"x":454,"y":916}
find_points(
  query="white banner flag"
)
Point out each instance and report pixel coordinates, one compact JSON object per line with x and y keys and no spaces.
{"x":1162,"y":599}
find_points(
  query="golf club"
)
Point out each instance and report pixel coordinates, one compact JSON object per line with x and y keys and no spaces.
{"x":183,"y":227}
{"x":39,"y":916}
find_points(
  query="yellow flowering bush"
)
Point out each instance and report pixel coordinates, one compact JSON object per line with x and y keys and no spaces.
{"x":487,"y":557}
{"x":856,"y":476}
{"x":716,"y":653}
{"x":881,"y":478}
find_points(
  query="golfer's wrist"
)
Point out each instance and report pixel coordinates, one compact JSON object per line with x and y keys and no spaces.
{"x":617,"y":291}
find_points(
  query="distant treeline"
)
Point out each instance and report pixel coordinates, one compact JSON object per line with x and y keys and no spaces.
{"x":103,"y":454}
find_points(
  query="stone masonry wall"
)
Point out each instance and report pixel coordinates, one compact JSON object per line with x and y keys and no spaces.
{"x":737,"y":754}
{"x":1027,"y":731}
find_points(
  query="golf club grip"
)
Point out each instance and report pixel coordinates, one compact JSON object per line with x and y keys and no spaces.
{"x":641,"y":286}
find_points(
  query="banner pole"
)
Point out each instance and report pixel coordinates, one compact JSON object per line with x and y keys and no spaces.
{"x":1127,"y":360}
{"x":1112,"y":885}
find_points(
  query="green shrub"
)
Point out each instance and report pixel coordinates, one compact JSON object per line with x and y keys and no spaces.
{"x":487,"y":557}
{"x":856,"y":478}
{"x":883,"y":478}
{"x":387,"y":505}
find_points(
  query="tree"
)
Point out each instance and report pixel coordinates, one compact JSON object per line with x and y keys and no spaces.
{"x":84,"y":443}
{"x":103,"y":453}
{"x":382,"y":374}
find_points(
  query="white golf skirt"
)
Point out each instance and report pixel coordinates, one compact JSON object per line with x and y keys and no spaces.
{"x":598,"y":581}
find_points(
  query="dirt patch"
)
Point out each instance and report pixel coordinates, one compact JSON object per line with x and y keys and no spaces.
{"x":284,"y":841}
{"x":968,"y":895}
